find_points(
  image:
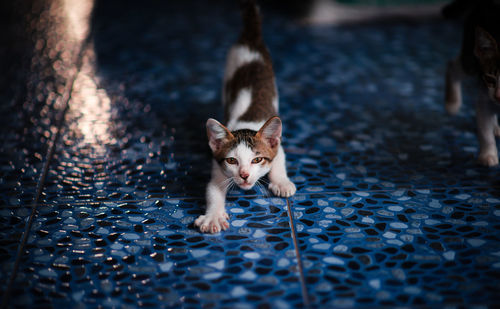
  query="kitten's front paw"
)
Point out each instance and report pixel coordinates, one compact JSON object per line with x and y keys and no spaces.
{"x":284,"y":188}
{"x":212,"y":223}
{"x":488,"y":159}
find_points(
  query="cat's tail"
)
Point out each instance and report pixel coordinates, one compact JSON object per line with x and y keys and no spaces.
{"x":252,"y":25}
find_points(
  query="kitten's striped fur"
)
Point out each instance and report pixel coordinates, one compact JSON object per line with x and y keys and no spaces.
{"x":249,"y":146}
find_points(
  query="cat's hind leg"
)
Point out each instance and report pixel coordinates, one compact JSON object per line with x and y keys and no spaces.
{"x":496,"y":130}
{"x":280,"y":184}
{"x":486,"y":129}
{"x":453,"y":91}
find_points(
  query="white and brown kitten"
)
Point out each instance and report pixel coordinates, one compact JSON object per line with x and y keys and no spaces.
{"x":480,"y":56}
{"x":249,"y":146}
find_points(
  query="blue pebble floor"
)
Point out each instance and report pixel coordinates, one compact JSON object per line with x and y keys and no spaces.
{"x":104,"y":162}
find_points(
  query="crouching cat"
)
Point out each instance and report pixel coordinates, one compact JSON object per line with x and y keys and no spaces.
{"x":480,"y":56}
{"x":249,"y":146}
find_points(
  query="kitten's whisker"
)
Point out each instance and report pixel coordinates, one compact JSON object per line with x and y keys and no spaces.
{"x":258,"y":187}
{"x":230,"y":184}
{"x":225,"y":183}
{"x":263,"y":188}
{"x":264,"y":181}
{"x":227,"y":187}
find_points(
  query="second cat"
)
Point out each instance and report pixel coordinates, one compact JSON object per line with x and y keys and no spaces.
{"x":480,"y":56}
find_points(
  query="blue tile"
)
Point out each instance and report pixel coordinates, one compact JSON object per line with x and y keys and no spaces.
{"x":400,"y":248}
{"x":149,"y":253}
{"x":12,"y":226}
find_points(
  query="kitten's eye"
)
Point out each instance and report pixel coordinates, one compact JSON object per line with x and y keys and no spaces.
{"x":490,"y":80}
{"x":231,"y":161}
{"x":257,"y":160}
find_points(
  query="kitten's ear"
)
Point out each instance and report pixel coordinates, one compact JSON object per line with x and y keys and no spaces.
{"x":485,"y":45}
{"x":271,"y":132}
{"x":217,"y":134}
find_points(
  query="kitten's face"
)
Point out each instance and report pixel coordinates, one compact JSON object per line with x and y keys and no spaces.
{"x":245,"y":165}
{"x":244,"y":155}
{"x":487,"y":52}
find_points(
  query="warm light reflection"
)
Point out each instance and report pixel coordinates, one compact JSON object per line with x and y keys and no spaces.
{"x":78,"y":13}
{"x":90,"y":105}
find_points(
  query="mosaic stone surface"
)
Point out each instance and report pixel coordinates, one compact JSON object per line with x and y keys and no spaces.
{"x":404,"y":247}
{"x":148,"y":253}
{"x":12,"y":226}
{"x":391,"y":208}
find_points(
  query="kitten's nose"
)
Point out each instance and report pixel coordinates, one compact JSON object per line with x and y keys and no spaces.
{"x":244,"y":175}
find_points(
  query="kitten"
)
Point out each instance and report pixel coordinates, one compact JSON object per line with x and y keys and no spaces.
{"x":480,"y":56}
{"x":249,"y":146}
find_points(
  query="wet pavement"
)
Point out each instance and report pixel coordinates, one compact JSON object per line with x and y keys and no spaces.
{"x":104,"y":161}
